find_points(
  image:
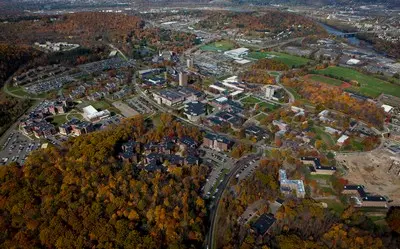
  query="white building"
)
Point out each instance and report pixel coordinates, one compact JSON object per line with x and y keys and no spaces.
{"x":270,"y":91}
{"x":238,"y":53}
{"x":90,"y":113}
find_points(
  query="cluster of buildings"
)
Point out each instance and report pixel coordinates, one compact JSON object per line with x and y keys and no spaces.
{"x":157,"y":156}
{"x":56,"y":47}
{"x":76,"y":127}
{"x":36,"y":122}
{"x":39,"y":73}
{"x":232,"y":88}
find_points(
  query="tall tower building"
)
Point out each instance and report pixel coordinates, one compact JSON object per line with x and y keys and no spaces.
{"x":183,"y":79}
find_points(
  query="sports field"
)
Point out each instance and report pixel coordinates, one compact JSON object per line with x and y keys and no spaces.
{"x":369,"y":85}
{"x":289,"y":60}
{"x":219,"y":46}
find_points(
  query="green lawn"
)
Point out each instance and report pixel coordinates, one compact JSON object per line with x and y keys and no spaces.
{"x":100,"y":105}
{"x":335,"y":205}
{"x":59,"y":119}
{"x":324,"y":136}
{"x":290,"y":60}
{"x":218,"y":46}
{"x":327,"y":80}
{"x":269,"y":106}
{"x":369,"y":85}
{"x":250,"y":100}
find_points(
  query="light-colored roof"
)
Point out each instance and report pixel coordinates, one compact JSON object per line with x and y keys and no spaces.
{"x":242,"y":61}
{"x":237,"y":51}
{"x":218,"y":88}
{"x":222,"y":99}
{"x":89,"y":110}
{"x":342,"y":139}
{"x":236,"y":93}
{"x":353,"y":62}
{"x":387,"y":108}
{"x":232,"y":86}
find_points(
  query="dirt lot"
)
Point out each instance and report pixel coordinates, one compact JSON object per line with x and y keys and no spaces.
{"x":372,"y":171}
{"x":125,"y":109}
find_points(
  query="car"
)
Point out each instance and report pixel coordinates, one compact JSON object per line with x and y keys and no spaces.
{"x":237,"y":175}
{"x":216,"y":190}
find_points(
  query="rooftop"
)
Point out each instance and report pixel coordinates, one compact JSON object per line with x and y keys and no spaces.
{"x":263,"y":224}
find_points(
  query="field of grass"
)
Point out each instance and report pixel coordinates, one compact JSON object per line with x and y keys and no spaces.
{"x":369,"y":85}
{"x":58,"y":120}
{"x":289,"y":60}
{"x":250,"y":100}
{"x":324,"y":136}
{"x":269,"y":106}
{"x":218,"y":46}
{"x":327,"y":80}
{"x":336,"y":206}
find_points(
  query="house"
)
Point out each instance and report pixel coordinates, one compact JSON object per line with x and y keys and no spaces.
{"x":263,"y":224}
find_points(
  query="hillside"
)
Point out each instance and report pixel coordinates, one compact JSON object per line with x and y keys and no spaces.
{"x":82,"y":196}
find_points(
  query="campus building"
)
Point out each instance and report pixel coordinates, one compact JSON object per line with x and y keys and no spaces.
{"x":288,"y":186}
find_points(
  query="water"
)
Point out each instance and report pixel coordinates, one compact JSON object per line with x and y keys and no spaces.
{"x":352,"y":40}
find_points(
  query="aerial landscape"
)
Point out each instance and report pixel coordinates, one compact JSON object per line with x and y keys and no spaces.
{"x":217,"y":124}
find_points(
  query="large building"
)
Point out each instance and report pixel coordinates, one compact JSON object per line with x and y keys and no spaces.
{"x":91,"y":114}
{"x":288,"y":186}
{"x":363,"y":199}
{"x":217,"y":142}
{"x":238,"y":53}
{"x":183,"y":79}
{"x":195,"y":110}
{"x":271,"y":92}
{"x":317,"y":168}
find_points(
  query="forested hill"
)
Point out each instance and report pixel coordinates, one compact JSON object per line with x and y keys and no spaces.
{"x":318,"y":2}
{"x":81,"y":196}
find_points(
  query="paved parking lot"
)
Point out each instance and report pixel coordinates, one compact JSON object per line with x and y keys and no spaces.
{"x":141,"y":105}
{"x":16,"y":148}
{"x":221,"y":165}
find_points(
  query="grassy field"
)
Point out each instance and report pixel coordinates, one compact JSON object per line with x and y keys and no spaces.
{"x":336,"y":206}
{"x":250,"y":100}
{"x":269,"y":106}
{"x":324,"y":136}
{"x":261,"y":116}
{"x":58,"y":120}
{"x":219,"y":46}
{"x":369,"y":85}
{"x":289,"y":60}
{"x":324,"y":79}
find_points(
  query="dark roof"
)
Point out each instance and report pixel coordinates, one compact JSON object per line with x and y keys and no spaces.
{"x":359,"y":188}
{"x":376,"y":198}
{"x":192,"y":160}
{"x":195,"y":108}
{"x":174,"y":159}
{"x":326,"y":168}
{"x":263,"y":224}
{"x":190,"y":142}
{"x":153,"y":166}
{"x":280,"y":201}
{"x":255,"y":130}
